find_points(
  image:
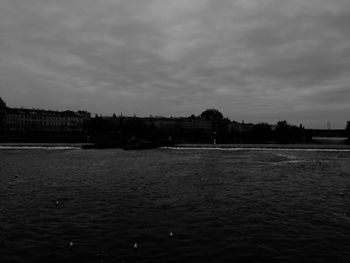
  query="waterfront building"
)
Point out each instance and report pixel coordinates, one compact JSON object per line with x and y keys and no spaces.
{"x":31,"y":120}
{"x":198,"y":124}
{"x":86,"y":116}
{"x":242,"y":127}
{"x":163,"y":123}
{"x":15,"y":120}
{"x":172,"y":124}
{"x":25,"y":124}
{"x":208,"y":126}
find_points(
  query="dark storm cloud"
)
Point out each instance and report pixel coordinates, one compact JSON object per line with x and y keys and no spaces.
{"x":258,"y":60}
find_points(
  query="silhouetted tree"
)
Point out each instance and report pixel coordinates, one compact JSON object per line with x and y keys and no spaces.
{"x":286,"y":133}
{"x":262,"y":132}
{"x":281,"y":132}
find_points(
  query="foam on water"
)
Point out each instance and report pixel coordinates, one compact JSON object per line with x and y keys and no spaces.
{"x":38,"y":147}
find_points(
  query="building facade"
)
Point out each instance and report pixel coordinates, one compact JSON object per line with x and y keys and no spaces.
{"x":22,"y":120}
{"x":242,"y":127}
{"x":172,"y":124}
{"x":27,"y":120}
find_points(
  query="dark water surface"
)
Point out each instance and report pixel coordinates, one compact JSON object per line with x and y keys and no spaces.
{"x":221,"y":206}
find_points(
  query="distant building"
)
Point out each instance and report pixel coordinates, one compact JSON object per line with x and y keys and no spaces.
{"x":28,"y":120}
{"x":208,"y":125}
{"x":208,"y":122}
{"x":163,"y":123}
{"x":33,"y":120}
{"x":85,"y":115}
{"x":171,"y":124}
{"x":242,"y":127}
{"x":198,"y":124}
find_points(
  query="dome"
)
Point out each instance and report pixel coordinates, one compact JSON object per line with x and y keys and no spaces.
{"x":212,"y":115}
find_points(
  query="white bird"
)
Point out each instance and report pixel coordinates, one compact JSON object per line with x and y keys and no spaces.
{"x":71,"y":244}
{"x":135,"y":245}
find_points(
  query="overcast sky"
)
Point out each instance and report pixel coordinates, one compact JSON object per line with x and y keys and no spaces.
{"x":254,"y":60}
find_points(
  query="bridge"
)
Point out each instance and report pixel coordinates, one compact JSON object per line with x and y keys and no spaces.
{"x":327,"y":133}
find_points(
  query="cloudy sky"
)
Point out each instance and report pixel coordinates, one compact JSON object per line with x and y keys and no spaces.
{"x":254,"y":60}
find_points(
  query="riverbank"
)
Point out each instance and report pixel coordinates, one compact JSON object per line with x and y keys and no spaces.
{"x":263,"y":146}
{"x":183,"y":145}
{"x":43,"y":145}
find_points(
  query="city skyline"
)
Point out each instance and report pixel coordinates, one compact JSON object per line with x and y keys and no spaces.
{"x":328,"y":125}
{"x":257,"y":61}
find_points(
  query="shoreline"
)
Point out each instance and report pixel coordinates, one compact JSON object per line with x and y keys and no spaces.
{"x":263,"y":146}
{"x":44,"y":145}
{"x":190,"y":146}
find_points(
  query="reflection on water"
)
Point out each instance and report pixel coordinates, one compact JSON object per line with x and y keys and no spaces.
{"x":219,"y":206}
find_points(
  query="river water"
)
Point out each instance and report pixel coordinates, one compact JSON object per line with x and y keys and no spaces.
{"x":177,"y":205}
